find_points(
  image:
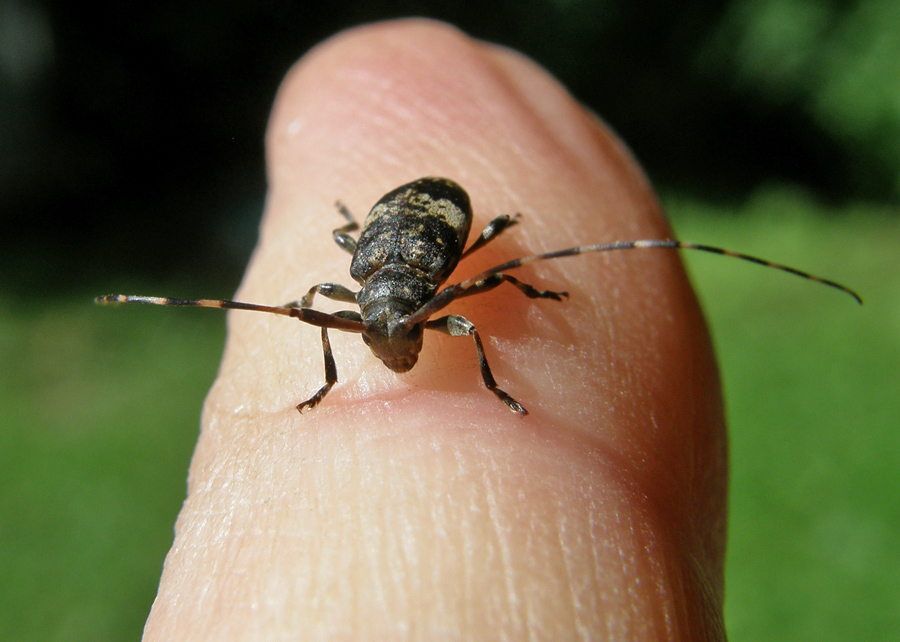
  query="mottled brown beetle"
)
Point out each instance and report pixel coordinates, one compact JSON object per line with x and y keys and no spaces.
{"x":410,"y":244}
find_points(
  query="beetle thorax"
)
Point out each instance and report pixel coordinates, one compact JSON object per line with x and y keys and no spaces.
{"x":385,"y":301}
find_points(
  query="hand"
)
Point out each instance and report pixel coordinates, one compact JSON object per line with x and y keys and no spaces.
{"x":417,"y":505}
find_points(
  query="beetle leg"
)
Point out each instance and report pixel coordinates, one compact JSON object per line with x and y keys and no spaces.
{"x":492,"y":230}
{"x":496,"y":279}
{"x":330,"y":375}
{"x":459,"y":326}
{"x":333,"y":291}
{"x":341,"y":236}
{"x":350,"y":315}
{"x":476,"y":286}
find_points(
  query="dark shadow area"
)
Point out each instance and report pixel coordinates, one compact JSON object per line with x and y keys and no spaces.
{"x":132,"y":136}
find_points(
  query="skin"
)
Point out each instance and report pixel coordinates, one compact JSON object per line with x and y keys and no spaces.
{"x":417,"y":506}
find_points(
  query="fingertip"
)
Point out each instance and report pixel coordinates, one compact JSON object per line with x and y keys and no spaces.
{"x":605,"y":490}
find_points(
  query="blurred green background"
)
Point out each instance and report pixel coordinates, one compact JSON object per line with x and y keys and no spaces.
{"x":131,"y":159}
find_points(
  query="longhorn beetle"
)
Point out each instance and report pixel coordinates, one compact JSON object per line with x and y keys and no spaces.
{"x":410,"y":244}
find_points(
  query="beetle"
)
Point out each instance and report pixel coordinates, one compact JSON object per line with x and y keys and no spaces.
{"x":410,"y":243}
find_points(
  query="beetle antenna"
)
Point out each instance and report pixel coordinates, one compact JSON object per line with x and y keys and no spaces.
{"x":307,"y":315}
{"x":666,"y":244}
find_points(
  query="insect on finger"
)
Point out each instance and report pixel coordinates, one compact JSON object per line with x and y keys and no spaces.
{"x":409,"y":245}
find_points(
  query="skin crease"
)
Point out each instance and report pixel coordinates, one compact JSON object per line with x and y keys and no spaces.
{"x":417,"y":506}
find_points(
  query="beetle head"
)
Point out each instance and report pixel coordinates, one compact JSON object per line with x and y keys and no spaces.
{"x":395,"y":343}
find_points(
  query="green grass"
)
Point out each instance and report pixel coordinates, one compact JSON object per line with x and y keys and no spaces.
{"x":99,"y":412}
{"x":811,"y":383}
{"x":98,"y":416}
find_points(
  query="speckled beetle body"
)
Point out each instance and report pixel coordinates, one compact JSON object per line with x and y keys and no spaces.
{"x":410,"y":244}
